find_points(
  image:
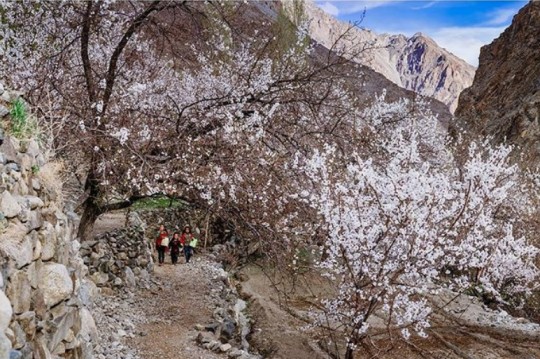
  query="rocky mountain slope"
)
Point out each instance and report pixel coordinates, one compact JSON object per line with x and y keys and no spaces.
{"x":416,"y":63}
{"x":504,"y":100}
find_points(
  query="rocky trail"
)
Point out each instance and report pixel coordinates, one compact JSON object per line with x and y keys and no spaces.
{"x":182,"y":299}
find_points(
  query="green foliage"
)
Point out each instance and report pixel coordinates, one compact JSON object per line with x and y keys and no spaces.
{"x":22,"y":124}
{"x":159,"y":202}
{"x":35,"y":169}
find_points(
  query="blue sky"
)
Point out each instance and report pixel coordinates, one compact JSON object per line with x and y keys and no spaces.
{"x":461,"y":27}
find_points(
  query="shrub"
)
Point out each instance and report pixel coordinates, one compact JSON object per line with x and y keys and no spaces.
{"x":22,"y":124}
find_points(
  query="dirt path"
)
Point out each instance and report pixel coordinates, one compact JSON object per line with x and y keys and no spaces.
{"x":183,"y":300}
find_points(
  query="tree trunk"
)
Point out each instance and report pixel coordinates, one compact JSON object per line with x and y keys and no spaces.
{"x":349,"y":354}
{"x":90,"y":208}
{"x":89,"y":216}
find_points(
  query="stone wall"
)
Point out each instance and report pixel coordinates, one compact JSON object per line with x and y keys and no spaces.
{"x":45,"y":300}
{"x":119,"y":258}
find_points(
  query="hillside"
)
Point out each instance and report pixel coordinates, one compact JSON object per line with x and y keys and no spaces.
{"x":504,"y":99}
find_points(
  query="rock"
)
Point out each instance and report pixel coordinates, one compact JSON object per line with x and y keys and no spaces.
{"x":28,"y":323}
{"x":20,"y":291}
{"x":9,"y":150}
{"x":55,"y":283}
{"x":88,"y":331}
{"x":37,"y":251}
{"x":3,"y":111}
{"x":32,"y":149}
{"x":117,"y":282}
{"x":129,"y":277}
{"x":225,"y":347}
{"x":19,"y":337}
{"x":199,"y":327}
{"x":63,"y":328}
{"x":5,"y":311}
{"x":32,"y":272}
{"x":26,"y":252}
{"x":235,"y":353}
{"x":36,"y":185}
{"x":99,"y":278}
{"x":9,"y":205}
{"x":227,"y":330}
{"x":15,"y":354}
{"x":205,"y":337}
{"x":33,"y":202}
{"x":5,"y":346}
{"x":48,"y":239}
{"x":88,"y":292}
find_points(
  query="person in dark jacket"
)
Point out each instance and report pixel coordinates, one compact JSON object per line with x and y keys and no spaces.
{"x":162,"y":243}
{"x":186,"y":239}
{"x":174,"y":247}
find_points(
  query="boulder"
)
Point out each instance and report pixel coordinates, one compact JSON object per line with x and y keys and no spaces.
{"x":8,"y":148}
{"x":5,"y":346}
{"x":129,"y":277}
{"x":20,"y":291}
{"x":48,"y":239}
{"x":88,"y":331}
{"x":26,"y":252}
{"x":9,"y":205}
{"x":63,"y":329}
{"x":5,"y":311}
{"x":88,"y":292}
{"x":55,"y":283}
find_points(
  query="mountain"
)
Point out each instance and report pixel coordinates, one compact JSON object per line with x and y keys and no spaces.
{"x":370,"y":78}
{"x":504,"y":100}
{"x":416,"y":63}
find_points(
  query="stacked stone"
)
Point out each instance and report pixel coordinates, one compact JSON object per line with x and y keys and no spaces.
{"x":42,"y":273}
{"x":230,"y":327}
{"x":120,"y":258}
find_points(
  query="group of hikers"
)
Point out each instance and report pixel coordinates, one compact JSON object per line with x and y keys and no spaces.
{"x":180,"y":242}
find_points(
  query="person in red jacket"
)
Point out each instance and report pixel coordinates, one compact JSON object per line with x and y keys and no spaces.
{"x":162,"y":243}
{"x":185,"y":239}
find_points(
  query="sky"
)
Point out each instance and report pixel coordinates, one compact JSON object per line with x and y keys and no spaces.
{"x":461,"y":27}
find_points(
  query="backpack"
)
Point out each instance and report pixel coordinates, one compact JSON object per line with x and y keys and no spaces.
{"x":165,"y":242}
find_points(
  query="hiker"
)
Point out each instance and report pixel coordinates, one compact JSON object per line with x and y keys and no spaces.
{"x":162,"y":244}
{"x":174,"y":247}
{"x":187,"y":241}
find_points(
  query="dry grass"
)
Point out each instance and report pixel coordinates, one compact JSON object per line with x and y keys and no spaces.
{"x":51,"y":177}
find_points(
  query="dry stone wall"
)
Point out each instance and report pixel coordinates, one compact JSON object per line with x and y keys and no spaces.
{"x":119,"y":258}
{"x":45,"y":298}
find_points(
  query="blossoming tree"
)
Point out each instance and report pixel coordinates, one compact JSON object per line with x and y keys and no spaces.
{"x":146,"y":112}
{"x":404,"y":224}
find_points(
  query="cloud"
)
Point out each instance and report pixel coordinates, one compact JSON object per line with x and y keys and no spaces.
{"x":329,"y":8}
{"x":427,"y":5}
{"x":336,"y":8}
{"x":465,"y":42}
{"x":501,"y":16}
